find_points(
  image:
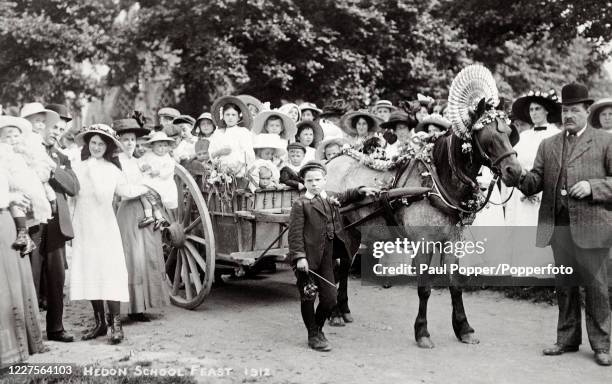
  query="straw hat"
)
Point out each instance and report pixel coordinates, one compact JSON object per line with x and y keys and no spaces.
{"x":596,"y":109}
{"x":285,"y":108}
{"x":97,"y":129}
{"x":261,"y":118}
{"x":348,"y":121}
{"x":548,"y":100}
{"x":383,"y":104}
{"x":310,"y":107}
{"x":219,"y":105}
{"x":251,"y":100}
{"x":433,"y":119}
{"x":169,"y":112}
{"x":18,"y":122}
{"x":320,"y":153}
{"x":129,"y":126}
{"x":316,"y":129}
{"x":51,"y":117}
{"x":159,"y":136}
{"x":184,"y":119}
{"x":270,"y":140}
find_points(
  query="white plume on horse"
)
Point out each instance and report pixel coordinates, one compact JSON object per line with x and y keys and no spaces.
{"x":471,"y":85}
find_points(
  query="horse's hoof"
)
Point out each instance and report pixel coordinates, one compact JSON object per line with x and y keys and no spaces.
{"x":425,"y":342}
{"x":469,"y":338}
{"x":336,"y":321}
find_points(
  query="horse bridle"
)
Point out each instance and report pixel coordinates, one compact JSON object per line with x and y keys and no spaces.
{"x":493,"y":164}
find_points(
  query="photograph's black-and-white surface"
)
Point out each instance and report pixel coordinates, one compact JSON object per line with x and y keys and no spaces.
{"x":289,"y":191}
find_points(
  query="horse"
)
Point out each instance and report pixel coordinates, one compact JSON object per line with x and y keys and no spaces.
{"x":437,"y":215}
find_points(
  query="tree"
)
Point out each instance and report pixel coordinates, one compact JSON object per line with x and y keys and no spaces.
{"x":45,"y":45}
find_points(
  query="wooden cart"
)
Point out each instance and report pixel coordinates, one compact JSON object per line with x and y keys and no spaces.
{"x":208,"y":236}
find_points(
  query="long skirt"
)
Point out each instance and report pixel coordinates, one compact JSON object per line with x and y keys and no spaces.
{"x":20,"y":332}
{"x":143,"y":257}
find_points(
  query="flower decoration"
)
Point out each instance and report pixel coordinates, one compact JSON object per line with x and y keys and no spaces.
{"x":466,"y":147}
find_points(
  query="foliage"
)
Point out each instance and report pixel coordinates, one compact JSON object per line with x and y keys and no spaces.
{"x":45,"y":44}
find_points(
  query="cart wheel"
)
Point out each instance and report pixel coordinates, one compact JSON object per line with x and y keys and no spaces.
{"x":189,"y":245}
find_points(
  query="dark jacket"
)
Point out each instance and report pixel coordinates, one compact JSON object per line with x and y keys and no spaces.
{"x":65,"y":183}
{"x":590,"y":160}
{"x":290,"y":178}
{"x":307,"y":227}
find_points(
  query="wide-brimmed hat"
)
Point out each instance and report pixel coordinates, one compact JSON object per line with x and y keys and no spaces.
{"x":348,"y":121}
{"x":61,"y":110}
{"x":184,"y":119}
{"x":270,"y":140}
{"x":396,"y":118}
{"x":219,"y":105}
{"x":97,"y":129}
{"x":261,"y":118}
{"x":548,"y":100}
{"x":285,"y":108}
{"x":123,"y":126}
{"x":18,"y":122}
{"x":575,"y":93}
{"x":310,"y":107}
{"x":203,"y":116}
{"x":159,"y":136}
{"x":252,"y":100}
{"x":312,"y":164}
{"x":320,"y":152}
{"x":383,"y":104}
{"x":434,"y":119}
{"x":337,"y":107}
{"x":170,"y":112}
{"x":29,"y":109}
{"x":316,"y":129}
{"x":596,"y":109}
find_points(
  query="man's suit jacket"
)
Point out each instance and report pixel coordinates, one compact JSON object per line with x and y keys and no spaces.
{"x":307,"y":227}
{"x":590,"y":160}
{"x":65,"y":183}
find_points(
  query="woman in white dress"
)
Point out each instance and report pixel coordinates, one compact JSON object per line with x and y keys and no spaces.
{"x":542,"y":110}
{"x":99,"y":270}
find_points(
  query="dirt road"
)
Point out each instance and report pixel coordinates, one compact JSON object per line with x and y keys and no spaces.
{"x":256,"y":325}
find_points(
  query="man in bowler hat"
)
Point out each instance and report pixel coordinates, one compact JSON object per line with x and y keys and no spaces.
{"x":574,"y":170}
{"x":49,"y":259}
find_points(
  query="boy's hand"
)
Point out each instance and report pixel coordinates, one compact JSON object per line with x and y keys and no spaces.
{"x":301,"y":187}
{"x":302,"y":265}
{"x":369,"y":191}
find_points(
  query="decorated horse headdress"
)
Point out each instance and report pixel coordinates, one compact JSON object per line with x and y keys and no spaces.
{"x":472,"y":99}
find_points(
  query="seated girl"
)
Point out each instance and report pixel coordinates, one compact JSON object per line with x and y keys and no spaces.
{"x":231,"y":144}
{"x":276,"y":123}
{"x":330,"y":148}
{"x":267,"y":147}
{"x":310,"y":134}
{"x":158,"y":174}
{"x":290,"y":173}
{"x":359,"y":126}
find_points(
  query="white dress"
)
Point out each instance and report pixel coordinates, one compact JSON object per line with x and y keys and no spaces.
{"x":240,"y":141}
{"x":164,"y":183}
{"x":522,"y":212}
{"x":98,"y":269}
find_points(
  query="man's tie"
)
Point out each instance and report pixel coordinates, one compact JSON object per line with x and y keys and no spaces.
{"x":540,"y":128}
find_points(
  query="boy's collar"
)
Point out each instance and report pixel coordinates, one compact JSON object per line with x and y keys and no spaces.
{"x":311,"y":196}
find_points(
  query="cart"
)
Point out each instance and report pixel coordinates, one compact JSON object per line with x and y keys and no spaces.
{"x":208,"y":236}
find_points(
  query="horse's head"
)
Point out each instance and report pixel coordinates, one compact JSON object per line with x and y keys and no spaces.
{"x":493,"y":139}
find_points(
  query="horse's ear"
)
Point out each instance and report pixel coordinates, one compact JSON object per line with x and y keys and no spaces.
{"x":482,"y":107}
{"x":502,"y":104}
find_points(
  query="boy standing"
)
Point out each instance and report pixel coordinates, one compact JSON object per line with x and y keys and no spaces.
{"x":316,"y":239}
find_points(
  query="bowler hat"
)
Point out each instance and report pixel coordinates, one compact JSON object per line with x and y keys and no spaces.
{"x":575,"y":93}
{"x":309,"y":166}
{"x":61,"y":110}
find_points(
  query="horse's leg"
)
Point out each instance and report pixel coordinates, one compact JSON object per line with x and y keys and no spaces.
{"x":421,"y":334}
{"x":463,"y":330}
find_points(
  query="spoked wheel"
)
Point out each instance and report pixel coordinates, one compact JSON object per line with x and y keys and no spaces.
{"x":189,"y":245}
